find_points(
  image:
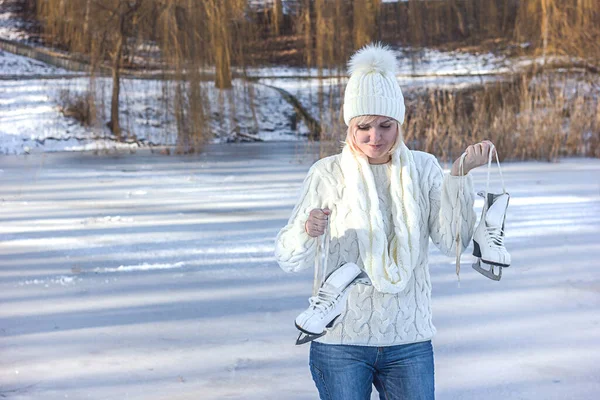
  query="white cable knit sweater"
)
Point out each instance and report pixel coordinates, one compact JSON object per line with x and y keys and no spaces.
{"x":374,"y":318}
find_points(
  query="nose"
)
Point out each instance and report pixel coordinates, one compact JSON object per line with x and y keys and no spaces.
{"x":374,"y":135}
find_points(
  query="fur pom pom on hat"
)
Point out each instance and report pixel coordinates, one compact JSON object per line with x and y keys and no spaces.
{"x":373,"y":58}
{"x":373,"y":88}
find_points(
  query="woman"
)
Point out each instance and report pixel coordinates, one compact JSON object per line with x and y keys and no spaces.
{"x":383,"y":202}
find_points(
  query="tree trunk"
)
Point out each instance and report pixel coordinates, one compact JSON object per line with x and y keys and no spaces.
{"x":544,"y":31}
{"x":363,"y":21}
{"x":222,"y":64}
{"x":217,"y":14}
{"x":86,"y":25}
{"x":114,"y":125}
{"x":277,"y":16}
{"x":459,"y":18}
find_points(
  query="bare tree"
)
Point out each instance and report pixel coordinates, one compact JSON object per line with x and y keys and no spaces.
{"x":124,"y":12}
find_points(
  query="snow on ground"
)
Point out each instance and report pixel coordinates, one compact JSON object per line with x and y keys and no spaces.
{"x":12,"y":28}
{"x":30,"y":113}
{"x":29,"y":110}
{"x":411,"y":64}
{"x":30,"y":93}
{"x":29,"y":103}
{"x":152,"y":277}
{"x":17,"y":66}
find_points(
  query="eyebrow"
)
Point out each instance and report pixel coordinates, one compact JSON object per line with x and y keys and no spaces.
{"x":382,"y":122}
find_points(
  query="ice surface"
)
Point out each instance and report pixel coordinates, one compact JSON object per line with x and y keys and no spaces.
{"x":175,"y":294}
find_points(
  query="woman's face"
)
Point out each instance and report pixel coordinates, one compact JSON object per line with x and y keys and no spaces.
{"x":376,"y":137}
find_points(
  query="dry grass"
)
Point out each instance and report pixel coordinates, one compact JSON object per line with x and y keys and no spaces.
{"x":77,"y":106}
{"x":541,"y":117}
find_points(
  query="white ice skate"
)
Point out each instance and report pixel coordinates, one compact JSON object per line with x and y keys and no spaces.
{"x":488,"y":239}
{"x":329,"y":295}
{"x":328,"y":304}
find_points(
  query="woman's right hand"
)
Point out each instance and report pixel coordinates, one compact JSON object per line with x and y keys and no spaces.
{"x":317,"y":221}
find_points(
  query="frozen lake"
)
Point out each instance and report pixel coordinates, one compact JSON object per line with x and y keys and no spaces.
{"x":150,"y":277}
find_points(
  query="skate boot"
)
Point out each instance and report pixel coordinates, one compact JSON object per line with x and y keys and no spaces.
{"x":328,"y":304}
{"x":488,"y":239}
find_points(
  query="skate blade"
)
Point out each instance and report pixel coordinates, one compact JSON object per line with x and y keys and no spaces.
{"x":488,"y":273}
{"x":307,"y":337}
{"x":495,"y":264}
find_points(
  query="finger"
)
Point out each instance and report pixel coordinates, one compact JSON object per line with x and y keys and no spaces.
{"x":316,"y":232}
{"x":480,"y":146}
{"x":324,"y":213}
{"x":489,"y":149}
{"x":317,"y":213}
{"x":480,"y":149}
{"x":486,"y":148}
{"x":309,"y":229}
{"x":474,"y":155}
{"x":471,"y":151}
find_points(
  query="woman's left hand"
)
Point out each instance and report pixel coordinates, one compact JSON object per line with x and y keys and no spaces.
{"x":477,"y":155}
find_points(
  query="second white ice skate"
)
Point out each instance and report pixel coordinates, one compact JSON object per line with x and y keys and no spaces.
{"x":488,"y":238}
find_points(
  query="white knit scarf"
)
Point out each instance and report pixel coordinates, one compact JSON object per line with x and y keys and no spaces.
{"x":389,"y":266}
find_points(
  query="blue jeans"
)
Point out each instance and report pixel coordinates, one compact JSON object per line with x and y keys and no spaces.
{"x":345,"y":372}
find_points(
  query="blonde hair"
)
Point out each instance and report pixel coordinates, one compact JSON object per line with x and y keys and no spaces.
{"x":368,"y":119}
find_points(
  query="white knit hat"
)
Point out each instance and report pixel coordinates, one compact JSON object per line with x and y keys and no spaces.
{"x":373,"y":88}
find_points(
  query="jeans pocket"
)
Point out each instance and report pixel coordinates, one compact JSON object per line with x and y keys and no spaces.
{"x":319,"y":380}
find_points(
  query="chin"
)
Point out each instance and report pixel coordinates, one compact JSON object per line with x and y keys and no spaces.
{"x":378,"y":152}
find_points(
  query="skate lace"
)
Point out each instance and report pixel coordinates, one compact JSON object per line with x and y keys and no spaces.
{"x":325,"y":299}
{"x":457,"y":240}
{"x":495,"y":236}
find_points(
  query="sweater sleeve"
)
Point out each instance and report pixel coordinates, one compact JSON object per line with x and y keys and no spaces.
{"x":295,"y":250}
{"x":448,"y":204}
